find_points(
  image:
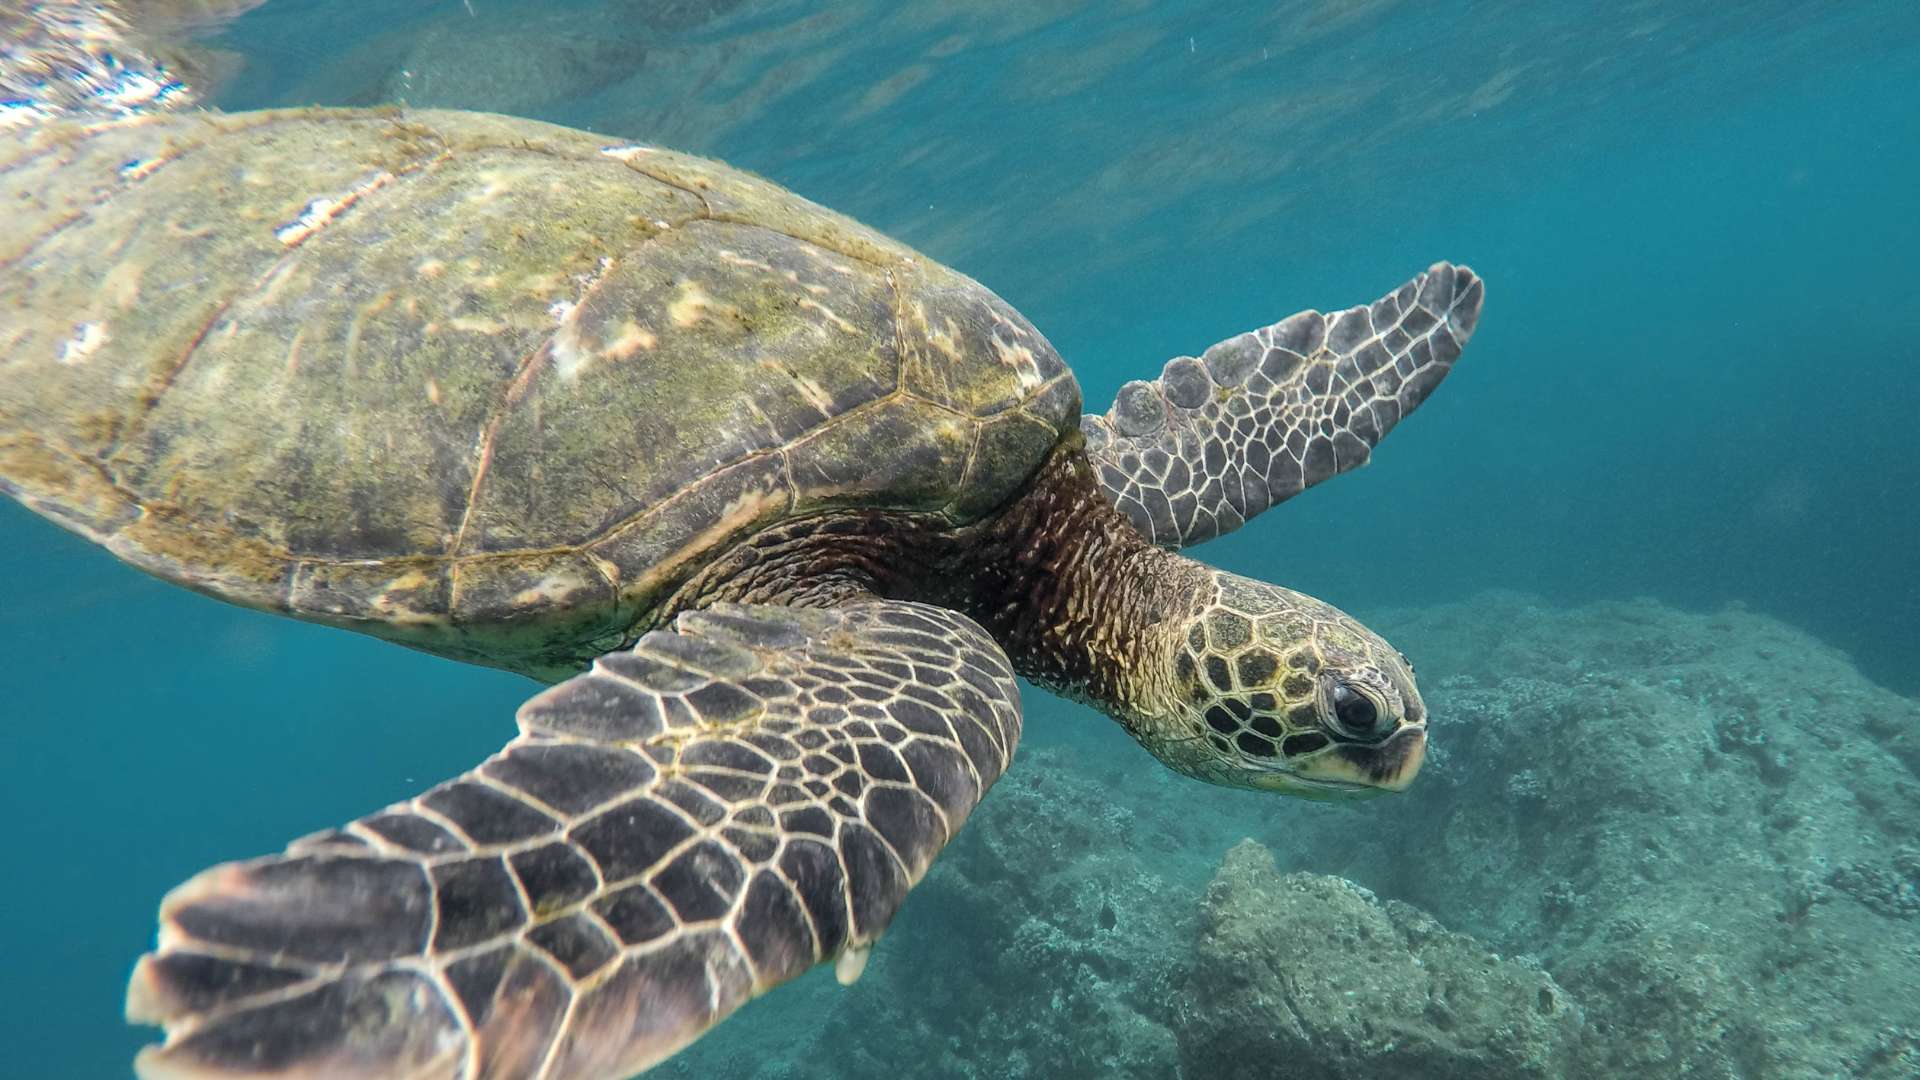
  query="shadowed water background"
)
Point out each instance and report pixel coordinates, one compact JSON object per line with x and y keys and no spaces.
{"x":1695,"y":379}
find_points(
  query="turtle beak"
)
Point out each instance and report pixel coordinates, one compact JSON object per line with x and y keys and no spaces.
{"x":1380,"y":767}
{"x":1403,"y":754}
{"x":1354,"y":771}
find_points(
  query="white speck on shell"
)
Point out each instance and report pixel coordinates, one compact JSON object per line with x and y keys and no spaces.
{"x":1020,"y":358}
{"x":828,"y":313}
{"x":21,"y":114}
{"x":86,"y":340}
{"x":493,"y":184}
{"x":690,"y":304}
{"x":326,"y":210}
{"x":140,"y":168}
{"x":569,"y":353}
{"x":741,"y":260}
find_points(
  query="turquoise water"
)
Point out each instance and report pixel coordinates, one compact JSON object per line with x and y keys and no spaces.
{"x":1694,"y":380}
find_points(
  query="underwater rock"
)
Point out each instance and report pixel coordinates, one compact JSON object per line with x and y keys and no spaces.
{"x":1703,"y":824}
{"x":1040,"y":946}
{"x":1304,"y":975}
{"x":1039,"y":949}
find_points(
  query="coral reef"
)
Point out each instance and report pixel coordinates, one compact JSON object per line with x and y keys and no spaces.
{"x":1043,"y":944}
{"x":1650,"y":843}
{"x":1695,"y":821}
{"x":1308,"y":975}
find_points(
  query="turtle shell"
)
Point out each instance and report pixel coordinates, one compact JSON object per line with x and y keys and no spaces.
{"x":487,"y":387}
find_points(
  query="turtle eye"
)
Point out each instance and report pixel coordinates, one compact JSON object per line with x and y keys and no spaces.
{"x":1354,"y":713}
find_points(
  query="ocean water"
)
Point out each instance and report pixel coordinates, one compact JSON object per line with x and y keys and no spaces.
{"x":1689,"y":411}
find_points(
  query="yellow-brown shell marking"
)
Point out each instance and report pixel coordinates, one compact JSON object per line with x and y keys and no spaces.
{"x":484,"y":386}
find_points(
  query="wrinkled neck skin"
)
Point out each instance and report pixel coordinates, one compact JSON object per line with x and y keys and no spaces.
{"x":1080,"y":601}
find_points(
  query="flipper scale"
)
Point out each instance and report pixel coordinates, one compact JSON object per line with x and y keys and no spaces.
{"x":664,"y":841}
{"x":1264,"y":415}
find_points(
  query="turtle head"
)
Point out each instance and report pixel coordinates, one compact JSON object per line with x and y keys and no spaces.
{"x":1274,"y":690}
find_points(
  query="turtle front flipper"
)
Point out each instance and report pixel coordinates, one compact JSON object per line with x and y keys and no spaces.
{"x":1264,"y":415}
{"x":675,"y":831}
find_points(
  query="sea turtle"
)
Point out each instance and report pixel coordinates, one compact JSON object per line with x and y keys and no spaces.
{"x":779,"y":505}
